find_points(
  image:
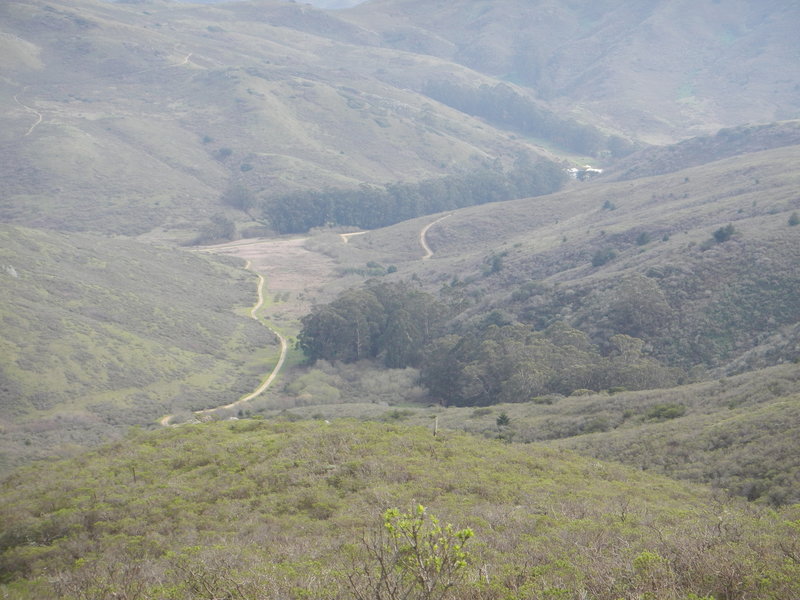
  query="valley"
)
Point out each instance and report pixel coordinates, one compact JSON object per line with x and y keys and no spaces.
{"x":397,"y":299}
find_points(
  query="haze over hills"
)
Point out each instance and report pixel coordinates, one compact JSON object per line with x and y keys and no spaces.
{"x":271,"y":95}
{"x":444,"y":274}
{"x":655,"y":70}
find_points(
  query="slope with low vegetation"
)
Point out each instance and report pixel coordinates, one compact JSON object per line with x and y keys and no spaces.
{"x":143,"y":117}
{"x":149,"y":115}
{"x":531,"y":309}
{"x":101,"y":333}
{"x":250,"y":509}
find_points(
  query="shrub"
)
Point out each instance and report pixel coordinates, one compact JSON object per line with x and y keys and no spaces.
{"x":410,"y":556}
{"x":603,"y":256}
{"x":663,"y":412}
{"x":723,"y":234}
{"x":794,"y":219}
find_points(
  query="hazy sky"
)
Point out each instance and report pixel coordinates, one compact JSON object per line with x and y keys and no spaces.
{"x":319,"y":3}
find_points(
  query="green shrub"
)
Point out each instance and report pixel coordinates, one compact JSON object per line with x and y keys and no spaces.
{"x":663,"y":412}
{"x":723,"y":234}
{"x":603,"y":256}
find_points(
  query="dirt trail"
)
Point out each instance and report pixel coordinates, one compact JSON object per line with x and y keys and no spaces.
{"x":423,"y":232}
{"x":346,"y":236}
{"x":166,"y":420}
{"x":284,"y":349}
{"x":292,"y":269}
{"x":29,"y":109}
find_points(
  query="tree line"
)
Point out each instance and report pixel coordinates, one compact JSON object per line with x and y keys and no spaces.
{"x":372,"y":206}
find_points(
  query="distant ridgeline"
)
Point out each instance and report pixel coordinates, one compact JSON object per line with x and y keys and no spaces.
{"x":370,"y":206}
{"x":502,"y":106}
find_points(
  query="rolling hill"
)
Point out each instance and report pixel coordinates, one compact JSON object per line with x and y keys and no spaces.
{"x":673,"y":302}
{"x":648,"y":313}
{"x":658,"y":71}
{"x":124,"y":118}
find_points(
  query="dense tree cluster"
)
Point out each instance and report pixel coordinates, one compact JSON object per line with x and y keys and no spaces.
{"x":513,"y":363}
{"x":387,"y":321}
{"x":370,"y":206}
{"x":486,"y":363}
{"x":218,"y":229}
{"x":501,"y":105}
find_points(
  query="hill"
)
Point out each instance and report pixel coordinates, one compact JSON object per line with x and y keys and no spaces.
{"x":251,"y":509}
{"x":100,"y":334}
{"x":604,"y":287}
{"x":701,"y":150}
{"x":658,"y":71}
{"x":132,"y":118}
{"x":124,"y":118}
{"x":665,"y":278}
{"x":735,"y":434}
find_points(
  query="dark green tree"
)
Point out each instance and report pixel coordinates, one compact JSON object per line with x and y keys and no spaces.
{"x":723,"y":234}
{"x":603,"y":256}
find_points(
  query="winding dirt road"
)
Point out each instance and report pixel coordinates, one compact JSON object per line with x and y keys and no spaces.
{"x":166,"y":420}
{"x":29,"y":109}
{"x":423,"y":232}
{"x":264,"y":247}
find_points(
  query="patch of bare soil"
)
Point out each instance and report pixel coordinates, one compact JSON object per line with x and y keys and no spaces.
{"x":295,"y":276}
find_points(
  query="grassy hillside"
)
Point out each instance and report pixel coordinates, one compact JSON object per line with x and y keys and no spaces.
{"x":695,"y":300}
{"x":735,"y":434}
{"x":734,"y":141}
{"x":249,"y":509}
{"x":122,"y":118}
{"x":707,"y":308}
{"x":99,"y":334}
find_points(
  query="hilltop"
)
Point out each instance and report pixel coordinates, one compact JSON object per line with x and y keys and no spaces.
{"x":253,"y":509}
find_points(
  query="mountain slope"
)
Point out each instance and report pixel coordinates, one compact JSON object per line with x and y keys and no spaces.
{"x":127,"y":118}
{"x":692,"y":299}
{"x":101,"y":334}
{"x":123,"y":119}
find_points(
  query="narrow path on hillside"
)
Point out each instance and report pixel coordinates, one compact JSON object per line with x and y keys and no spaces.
{"x":346,"y":236}
{"x":166,"y":420}
{"x":271,"y":377}
{"x":29,"y":109}
{"x":424,"y":231}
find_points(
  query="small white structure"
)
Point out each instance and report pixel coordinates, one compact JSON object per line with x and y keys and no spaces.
{"x":583,"y":173}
